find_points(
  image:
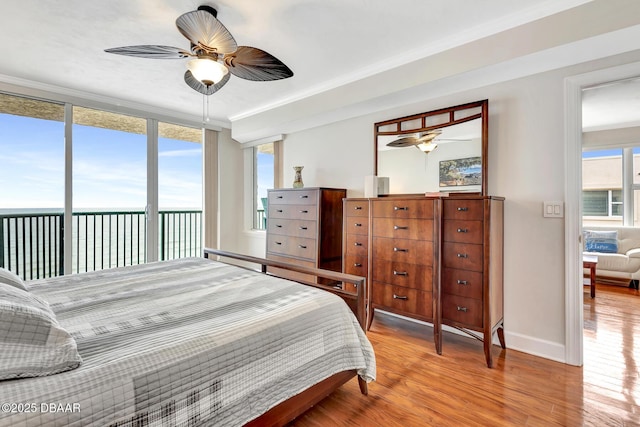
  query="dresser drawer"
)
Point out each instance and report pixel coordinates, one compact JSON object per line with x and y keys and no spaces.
{"x":403,"y":250}
{"x":462,"y":255}
{"x":356,"y":265}
{"x":464,"y":283}
{"x":356,"y":245}
{"x":356,"y":208}
{"x":357,"y":225}
{"x":297,"y":197}
{"x":299,"y":247}
{"x":305,"y":212}
{"x":403,"y":300}
{"x":403,"y":208}
{"x":401,"y":228}
{"x":462,"y":231}
{"x":464,"y":209}
{"x":403,"y":274}
{"x":293,"y":275}
{"x":292,"y":227}
{"x":466,"y":311}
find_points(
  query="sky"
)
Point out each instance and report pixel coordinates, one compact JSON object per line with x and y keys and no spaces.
{"x":109,"y":168}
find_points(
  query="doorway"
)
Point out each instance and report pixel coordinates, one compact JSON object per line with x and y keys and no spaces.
{"x":574,"y":87}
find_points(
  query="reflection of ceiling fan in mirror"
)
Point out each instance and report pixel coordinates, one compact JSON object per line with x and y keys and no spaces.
{"x":214,"y":54}
{"x":424,"y":141}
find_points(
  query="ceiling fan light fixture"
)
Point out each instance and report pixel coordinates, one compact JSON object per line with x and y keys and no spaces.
{"x":427,"y":147}
{"x":207,"y":70}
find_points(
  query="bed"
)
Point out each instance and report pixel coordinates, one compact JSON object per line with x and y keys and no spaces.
{"x":187,"y":342}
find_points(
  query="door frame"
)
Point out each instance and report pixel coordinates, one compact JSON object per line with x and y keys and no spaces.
{"x":574,"y":316}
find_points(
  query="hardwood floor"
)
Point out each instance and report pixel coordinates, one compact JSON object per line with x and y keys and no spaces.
{"x":416,"y":387}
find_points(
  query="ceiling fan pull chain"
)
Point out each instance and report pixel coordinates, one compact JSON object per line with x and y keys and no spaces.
{"x":205,"y":109}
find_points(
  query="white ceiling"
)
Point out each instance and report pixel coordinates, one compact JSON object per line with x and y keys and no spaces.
{"x":327,"y":43}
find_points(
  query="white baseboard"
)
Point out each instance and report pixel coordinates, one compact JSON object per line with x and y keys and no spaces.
{"x":514,"y":341}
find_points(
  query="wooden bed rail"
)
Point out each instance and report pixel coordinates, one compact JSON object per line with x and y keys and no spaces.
{"x":356,"y":301}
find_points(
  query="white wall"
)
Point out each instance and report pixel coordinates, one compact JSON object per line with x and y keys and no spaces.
{"x":526,"y":166}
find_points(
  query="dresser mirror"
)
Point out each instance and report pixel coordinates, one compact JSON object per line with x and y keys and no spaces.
{"x":443,"y":150}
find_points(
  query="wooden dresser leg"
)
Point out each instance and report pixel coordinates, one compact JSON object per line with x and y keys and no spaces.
{"x":364,"y":389}
{"x":370,"y":313}
{"x":487,"y":347}
{"x":501,"y":337}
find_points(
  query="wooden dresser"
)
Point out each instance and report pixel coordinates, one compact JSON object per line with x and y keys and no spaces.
{"x":356,"y":238}
{"x":434,"y":259}
{"x":472,"y":287}
{"x":304,"y":227}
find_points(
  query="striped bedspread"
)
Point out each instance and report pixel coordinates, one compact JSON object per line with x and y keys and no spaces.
{"x":185,"y":343}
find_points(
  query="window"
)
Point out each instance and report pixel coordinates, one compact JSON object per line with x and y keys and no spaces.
{"x":32,"y":180}
{"x":179,"y":191}
{"x":611,"y":186}
{"x":263,"y":179}
{"x":602,"y":203}
{"x":109,"y":190}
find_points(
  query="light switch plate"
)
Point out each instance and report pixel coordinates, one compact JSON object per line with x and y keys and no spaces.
{"x":553,"y":209}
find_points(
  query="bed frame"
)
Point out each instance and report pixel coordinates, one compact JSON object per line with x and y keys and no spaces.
{"x":288,"y":410}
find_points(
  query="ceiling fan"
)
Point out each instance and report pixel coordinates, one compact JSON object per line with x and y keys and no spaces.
{"x":214,"y":52}
{"x":422,"y":141}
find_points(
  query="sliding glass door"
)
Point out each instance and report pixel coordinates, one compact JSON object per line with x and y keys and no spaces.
{"x":32,"y":183}
{"x":109,"y":190}
{"x":179,"y":191}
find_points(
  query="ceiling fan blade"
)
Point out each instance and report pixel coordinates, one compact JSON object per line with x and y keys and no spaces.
{"x":428,"y":136}
{"x":204,"y":29}
{"x":198,"y":86}
{"x":404,"y":142}
{"x":254,"y":64}
{"x":150,"y":51}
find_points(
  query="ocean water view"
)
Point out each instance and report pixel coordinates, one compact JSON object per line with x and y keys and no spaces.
{"x":32,"y":239}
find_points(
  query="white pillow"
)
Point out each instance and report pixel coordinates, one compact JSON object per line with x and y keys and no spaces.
{"x":32,"y":343}
{"x":11,"y":278}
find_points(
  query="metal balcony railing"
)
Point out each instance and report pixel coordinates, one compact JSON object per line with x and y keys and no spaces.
{"x":32,"y":245}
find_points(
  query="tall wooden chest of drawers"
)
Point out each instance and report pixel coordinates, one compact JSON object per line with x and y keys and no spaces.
{"x":435,"y":259}
{"x":472,"y":259}
{"x":304,"y":227}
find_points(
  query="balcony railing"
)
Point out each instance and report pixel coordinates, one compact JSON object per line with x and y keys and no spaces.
{"x":32,"y":245}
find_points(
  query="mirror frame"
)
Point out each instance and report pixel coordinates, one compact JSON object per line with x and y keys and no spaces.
{"x":483,"y":115}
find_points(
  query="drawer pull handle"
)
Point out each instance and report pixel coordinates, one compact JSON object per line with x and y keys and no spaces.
{"x":304,"y":211}
{"x":464,"y":209}
{"x":304,"y":197}
{"x":357,"y":264}
{"x":302,"y":227}
{"x":462,"y":282}
{"x":358,"y":244}
{"x":302,"y":246}
{"x":279,"y":197}
{"x":400,"y":250}
{"x":279,"y":210}
{"x":400,"y":273}
{"x":463,"y":230}
{"x":400,"y":297}
{"x":357,"y":224}
{"x":278,"y":243}
{"x":463,"y":256}
{"x":462,"y":309}
{"x":400,"y":227}
{"x":358,"y":208}
{"x":400,"y":208}
{"x":278,"y":226}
